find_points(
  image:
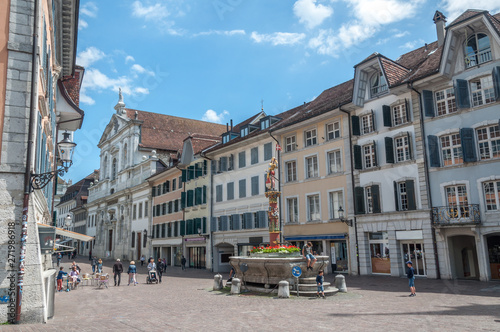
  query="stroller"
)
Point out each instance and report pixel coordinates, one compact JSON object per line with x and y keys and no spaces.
{"x":152,"y":277}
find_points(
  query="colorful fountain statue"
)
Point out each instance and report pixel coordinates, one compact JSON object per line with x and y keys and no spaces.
{"x":273,"y":195}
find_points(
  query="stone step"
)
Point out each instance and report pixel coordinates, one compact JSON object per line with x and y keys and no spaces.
{"x":312,"y":287}
{"x":309,"y":280}
{"x":328,"y":292}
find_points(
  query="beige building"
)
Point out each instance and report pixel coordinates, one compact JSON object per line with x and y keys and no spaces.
{"x":315,"y":174}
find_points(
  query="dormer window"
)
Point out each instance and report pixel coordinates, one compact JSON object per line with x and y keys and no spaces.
{"x":244,"y":132}
{"x":477,"y":50}
{"x":378,"y":85}
{"x":268,"y":121}
{"x":248,"y":129}
{"x":226,"y":137}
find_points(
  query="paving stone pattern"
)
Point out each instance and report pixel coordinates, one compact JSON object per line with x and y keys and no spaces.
{"x":185,"y":302}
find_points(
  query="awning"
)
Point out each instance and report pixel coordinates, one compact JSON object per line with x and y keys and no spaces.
{"x":73,"y":235}
{"x":315,"y":237}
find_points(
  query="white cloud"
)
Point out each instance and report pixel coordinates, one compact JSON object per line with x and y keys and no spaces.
{"x":220,"y":32}
{"x":153,"y":12}
{"x":82,"y":24}
{"x":89,"y":56}
{"x":401,"y":34}
{"x":89,"y":9}
{"x":453,"y":8}
{"x":129,"y":58}
{"x":86,"y":99}
{"x":310,"y":14}
{"x":141,"y":70}
{"x":413,"y":44}
{"x":278,"y":38}
{"x":141,"y":90}
{"x":212,"y":116}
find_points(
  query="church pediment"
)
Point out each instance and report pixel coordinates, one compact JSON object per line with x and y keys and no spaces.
{"x":115,"y":125}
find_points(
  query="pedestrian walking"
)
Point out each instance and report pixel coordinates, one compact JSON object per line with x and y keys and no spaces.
{"x":143,"y":259}
{"x":132,"y":270}
{"x":319,"y":283}
{"x":59,"y":257}
{"x":165,"y":265}
{"x":117,"y":271}
{"x":94,"y":264}
{"x":160,"y":268}
{"x":99,"y":266}
{"x":59,"y":278}
{"x":90,"y":255}
{"x":183,"y":262}
{"x":307,"y":253}
{"x":410,"y":273}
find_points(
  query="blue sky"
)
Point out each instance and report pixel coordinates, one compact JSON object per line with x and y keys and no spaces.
{"x":217,"y":60}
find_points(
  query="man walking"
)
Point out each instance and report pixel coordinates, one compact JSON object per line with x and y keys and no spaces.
{"x":94,"y":264}
{"x":160,"y":268}
{"x":183,"y":262}
{"x":59,"y":257}
{"x":117,"y":271}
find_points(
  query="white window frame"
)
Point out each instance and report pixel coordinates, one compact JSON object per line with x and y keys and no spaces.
{"x":309,"y":195}
{"x":371,"y":155}
{"x":328,"y":164}
{"x":488,"y":141}
{"x":496,"y":193}
{"x":484,"y":94}
{"x":313,"y":139}
{"x":455,"y":150}
{"x":306,"y":166}
{"x":368,"y":199}
{"x":288,"y":217}
{"x":287,"y":163}
{"x":445,"y":101}
{"x":398,"y":115}
{"x":405,"y":148}
{"x":400,"y":195}
{"x":334,"y":131}
{"x":366,"y":123}
{"x":290,"y":143}
{"x":333,"y":212}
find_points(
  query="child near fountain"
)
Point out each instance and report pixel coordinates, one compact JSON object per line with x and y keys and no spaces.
{"x":319,"y":282}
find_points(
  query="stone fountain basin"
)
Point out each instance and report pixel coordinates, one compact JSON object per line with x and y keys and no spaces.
{"x":271,"y":270}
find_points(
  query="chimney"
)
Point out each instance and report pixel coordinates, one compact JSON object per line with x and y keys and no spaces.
{"x":227,"y":127}
{"x":440,"y":21}
{"x":231,"y":124}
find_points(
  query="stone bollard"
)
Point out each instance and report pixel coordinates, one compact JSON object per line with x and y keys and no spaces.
{"x":218,"y":282}
{"x":235,"y":286}
{"x":284,"y":289}
{"x":340,"y":283}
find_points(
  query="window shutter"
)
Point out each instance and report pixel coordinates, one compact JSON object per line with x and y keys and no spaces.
{"x":434,"y":157}
{"x":213,"y":164}
{"x":374,"y":123}
{"x":428,"y":101}
{"x":358,"y":162}
{"x":224,"y":221}
{"x":248,"y":221}
{"x":231,"y":163}
{"x":355,"y":125}
{"x":396,"y":196}
{"x":376,"y":198}
{"x":223,"y":164}
{"x":254,"y":154}
{"x":386,"y":113}
{"x":198,"y":195}
{"x":230,"y":191}
{"x":183,"y":227}
{"x":255,"y":185}
{"x":407,"y":108}
{"x":468,"y":146}
{"x":360,"y":98}
{"x":410,"y":145}
{"x":204,"y":225}
{"x":389,"y":150}
{"x":236,"y":222}
{"x":204,"y":198}
{"x":153,"y":191}
{"x":241,"y":159}
{"x":410,"y":194}
{"x":168,"y":186}
{"x":205,"y":167}
{"x":213,"y":224}
{"x":243,"y":188}
{"x":496,"y":82}
{"x":199,"y":169}
{"x":268,"y":151}
{"x":359,"y":200}
{"x":183,"y":200}
{"x":190,"y":198}
{"x":375,"y":158}
{"x":183,"y":175}
{"x":263,"y":222}
{"x":462,"y":94}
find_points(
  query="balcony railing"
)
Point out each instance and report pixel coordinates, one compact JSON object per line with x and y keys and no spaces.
{"x":467,"y":214}
{"x":477,"y":58}
{"x":378,"y":90}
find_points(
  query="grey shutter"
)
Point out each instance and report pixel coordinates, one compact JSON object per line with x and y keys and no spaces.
{"x":218,"y":193}
{"x":231,"y":162}
{"x":241,"y":159}
{"x":359,"y":200}
{"x":389,"y":150}
{"x":434,"y":155}
{"x":224,"y":223}
{"x":205,"y":168}
{"x":223,"y":164}
{"x":360,"y":98}
{"x":213,"y":164}
{"x":375,"y":156}
{"x":396,"y":196}
{"x":268,"y":151}
{"x":355,"y":125}
{"x":428,"y":101}
{"x":386,"y":112}
{"x":468,"y":146}
{"x":407,"y":108}
{"x":410,"y":194}
{"x":255,"y":185}
{"x":248,"y":220}
{"x":236,"y":222}
{"x":243,"y":188}
{"x":496,"y":82}
{"x":263,"y":222}
{"x":358,"y":161}
{"x":254,"y":155}
{"x":230,"y":191}
{"x":213,"y":224}
{"x":374,"y":123}
{"x":462,"y":93}
{"x":376,"y":199}
{"x":410,"y":145}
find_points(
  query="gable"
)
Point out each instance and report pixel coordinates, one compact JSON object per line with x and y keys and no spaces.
{"x":370,"y":80}
{"x":116,"y":124}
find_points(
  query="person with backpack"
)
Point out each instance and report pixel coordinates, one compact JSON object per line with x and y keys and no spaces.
{"x":132,"y":270}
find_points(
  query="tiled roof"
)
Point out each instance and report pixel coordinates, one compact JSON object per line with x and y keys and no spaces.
{"x":201,"y":142}
{"x":371,"y":56}
{"x":495,"y":21}
{"x":466,"y":15}
{"x":237,"y":128}
{"x":80,"y":189}
{"x":167,"y":132}
{"x":72,"y":85}
{"x":394,"y":72}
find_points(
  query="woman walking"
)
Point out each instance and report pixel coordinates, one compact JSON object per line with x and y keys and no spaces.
{"x":132,"y":270}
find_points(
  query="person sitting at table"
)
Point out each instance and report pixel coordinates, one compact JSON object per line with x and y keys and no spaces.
{"x":74,"y":276}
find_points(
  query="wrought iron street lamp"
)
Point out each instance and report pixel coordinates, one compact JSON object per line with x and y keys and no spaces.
{"x":65,"y":148}
{"x":342,"y":218}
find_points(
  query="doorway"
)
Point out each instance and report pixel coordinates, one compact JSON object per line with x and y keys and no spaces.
{"x":197,"y":257}
{"x":110,"y":240}
{"x":463,"y":257}
{"x":414,"y":252}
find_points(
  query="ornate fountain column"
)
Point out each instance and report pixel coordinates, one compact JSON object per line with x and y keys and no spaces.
{"x":273,"y":195}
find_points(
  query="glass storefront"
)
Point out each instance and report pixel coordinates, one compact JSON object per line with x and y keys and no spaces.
{"x":338,"y":256}
{"x":379,"y":251}
{"x":494,"y":256}
{"x":414,"y":252}
{"x":196,"y":257}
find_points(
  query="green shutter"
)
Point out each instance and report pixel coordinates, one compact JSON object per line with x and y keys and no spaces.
{"x":183,"y":227}
{"x":468,"y":146}
{"x":410,"y":194}
{"x":355,"y":125}
{"x":386,"y":113}
{"x":204,"y":199}
{"x":376,"y":198}
{"x":428,"y":103}
{"x":462,"y":93}
{"x":359,"y":200}
{"x":389,"y":150}
{"x":396,"y":196}
{"x":434,"y":149}
{"x":183,"y":177}
{"x":358,"y":161}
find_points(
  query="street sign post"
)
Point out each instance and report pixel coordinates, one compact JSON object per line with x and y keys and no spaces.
{"x":297,"y":272}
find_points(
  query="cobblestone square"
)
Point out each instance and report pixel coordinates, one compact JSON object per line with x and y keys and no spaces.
{"x":184,"y":301}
